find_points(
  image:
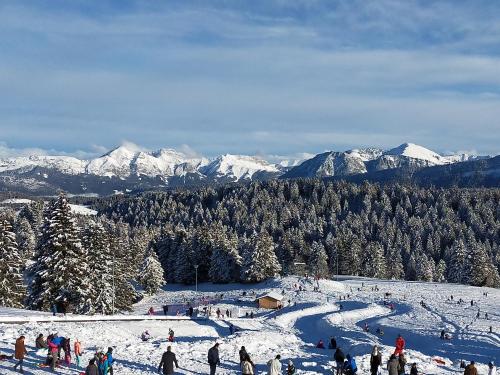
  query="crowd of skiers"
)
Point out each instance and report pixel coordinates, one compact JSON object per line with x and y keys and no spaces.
{"x":59,"y":353}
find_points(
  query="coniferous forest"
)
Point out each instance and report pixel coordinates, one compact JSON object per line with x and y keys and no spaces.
{"x":247,"y":233}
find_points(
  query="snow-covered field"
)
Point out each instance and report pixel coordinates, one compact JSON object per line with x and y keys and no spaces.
{"x":292,"y":332}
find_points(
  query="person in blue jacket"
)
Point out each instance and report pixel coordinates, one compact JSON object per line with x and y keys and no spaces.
{"x":102,"y":364}
{"x":350,"y":367}
{"x":111,"y":360}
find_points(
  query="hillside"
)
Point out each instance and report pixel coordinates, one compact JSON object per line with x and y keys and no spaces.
{"x":292,"y":332}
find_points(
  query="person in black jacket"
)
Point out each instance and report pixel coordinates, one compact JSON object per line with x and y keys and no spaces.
{"x":339,"y":358}
{"x":213,"y":358}
{"x":167,"y":362}
{"x":243,"y":354}
{"x":333,"y":343}
{"x":375,"y":360}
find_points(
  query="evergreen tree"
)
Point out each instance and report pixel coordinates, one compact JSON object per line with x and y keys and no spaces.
{"x":394,"y":265}
{"x":318,"y":263}
{"x":458,"y":267}
{"x":122,"y":271}
{"x":225,"y":261}
{"x":259,"y":259}
{"x":374,"y":262}
{"x":424,"y":268}
{"x":60,"y":272}
{"x":96,"y":242}
{"x":151,"y":274}
{"x":26,"y":239}
{"x":12,"y":289}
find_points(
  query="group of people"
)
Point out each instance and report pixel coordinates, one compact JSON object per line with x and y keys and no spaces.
{"x":59,"y":352}
{"x":169,"y":363}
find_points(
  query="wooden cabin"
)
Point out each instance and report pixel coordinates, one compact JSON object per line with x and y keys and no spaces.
{"x":270,"y":301}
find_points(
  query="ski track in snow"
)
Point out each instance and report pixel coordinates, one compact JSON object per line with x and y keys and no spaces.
{"x":292,"y":331}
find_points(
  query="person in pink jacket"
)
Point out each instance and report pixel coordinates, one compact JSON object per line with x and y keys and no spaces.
{"x":54,"y":351}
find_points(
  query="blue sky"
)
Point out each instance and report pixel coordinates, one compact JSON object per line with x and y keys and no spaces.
{"x":253,"y":77}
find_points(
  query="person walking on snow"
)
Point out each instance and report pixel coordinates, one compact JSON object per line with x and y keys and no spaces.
{"x":470,"y":369}
{"x":53,"y":308}
{"x":333,"y":343}
{"x":375,"y":360}
{"x":54,"y":353}
{"x":168,"y":360}
{"x":247,"y":366}
{"x":243,"y":354}
{"x":20,"y":353}
{"x":92,"y":368}
{"x":274,"y":366}
{"x":400,"y":345}
{"x":413,"y":369}
{"x":290,"y":370}
{"x":392,"y":365}
{"x":111,"y":360}
{"x":78,"y":352}
{"x":67,"y":351}
{"x":213,"y":358}
{"x":492,"y":369}
{"x":401,"y":364}
{"x":339,"y":358}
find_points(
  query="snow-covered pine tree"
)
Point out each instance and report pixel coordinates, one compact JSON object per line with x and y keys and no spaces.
{"x":481,"y":272}
{"x":12,"y":288}
{"x":26,"y":239}
{"x":458,"y":265}
{"x":440,"y":272}
{"x":373,"y":261}
{"x":96,"y":241}
{"x":151,"y":273}
{"x":259,"y":259}
{"x":225,"y":261}
{"x":121,"y":268}
{"x":394,"y":264}
{"x":424,"y":268}
{"x":318,"y":262}
{"x":61,"y":269}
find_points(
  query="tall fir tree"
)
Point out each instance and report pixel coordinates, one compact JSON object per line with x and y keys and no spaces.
{"x":26,"y":238}
{"x":259,"y":259}
{"x":60,"y":272}
{"x":459,"y":265}
{"x":121,"y":269}
{"x":12,"y":288}
{"x":225,"y":261}
{"x":151,"y":273}
{"x":373,"y":261}
{"x":318,"y":262}
{"x":95,"y":240}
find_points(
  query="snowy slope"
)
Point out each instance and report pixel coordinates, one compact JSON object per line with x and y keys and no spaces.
{"x":414,"y":151}
{"x":292,"y":332}
{"x":65,"y":164}
{"x":237,"y":167}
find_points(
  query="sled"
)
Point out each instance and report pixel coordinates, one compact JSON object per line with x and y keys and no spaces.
{"x":439,"y":361}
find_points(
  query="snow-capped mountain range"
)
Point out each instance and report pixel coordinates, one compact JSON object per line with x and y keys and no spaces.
{"x":126,"y":168}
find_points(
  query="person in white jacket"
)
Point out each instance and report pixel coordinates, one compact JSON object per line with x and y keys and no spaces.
{"x":275,"y":366}
{"x":492,"y":370}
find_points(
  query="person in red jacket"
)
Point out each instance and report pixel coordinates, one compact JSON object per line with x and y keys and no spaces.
{"x":400,"y":345}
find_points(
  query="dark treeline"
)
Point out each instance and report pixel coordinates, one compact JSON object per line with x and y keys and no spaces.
{"x":250,"y":232}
